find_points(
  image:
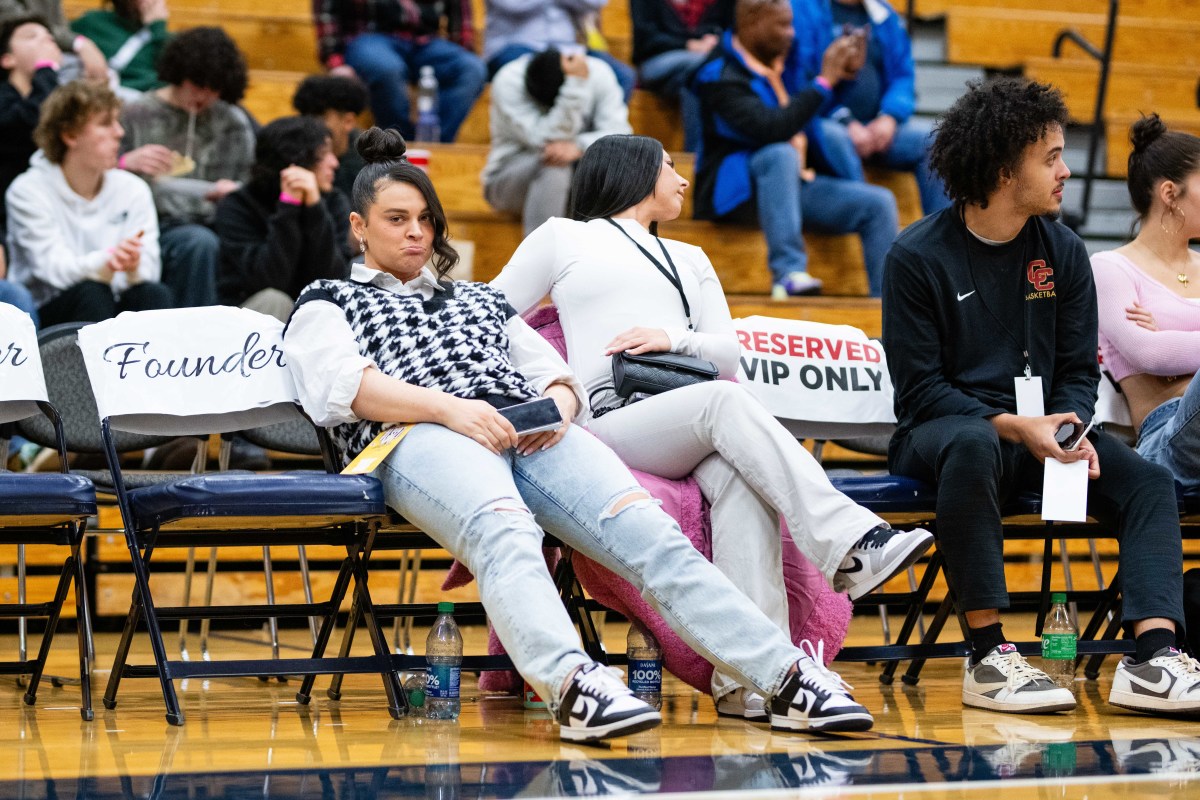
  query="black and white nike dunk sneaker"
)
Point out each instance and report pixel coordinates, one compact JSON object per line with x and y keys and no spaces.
{"x":597,"y":704}
{"x":814,"y":698}
{"x":1169,"y":683}
{"x":878,"y":555}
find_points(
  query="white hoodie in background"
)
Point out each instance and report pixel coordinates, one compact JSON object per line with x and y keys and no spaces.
{"x":57,"y":239}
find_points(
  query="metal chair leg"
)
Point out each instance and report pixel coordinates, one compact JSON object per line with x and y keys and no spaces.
{"x":272,"y":622}
{"x":189,"y":570}
{"x":206,"y":624}
{"x":306,"y":581}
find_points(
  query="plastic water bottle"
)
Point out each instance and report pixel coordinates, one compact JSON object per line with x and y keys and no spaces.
{"x":443,"y":654}
{"x":414,"y":690}
{"x":1059,"y":637}
{"x":429,"y":124}
{"x":645,"y":665}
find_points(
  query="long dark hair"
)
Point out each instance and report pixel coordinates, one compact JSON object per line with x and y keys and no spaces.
{"x":286,"y":141}
{"x":383,"y":151}
{"x":616,"y":172}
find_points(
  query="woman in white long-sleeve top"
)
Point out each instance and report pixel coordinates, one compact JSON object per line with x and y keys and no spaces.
{"x":397,"y":343}
{"x":619,"y":287}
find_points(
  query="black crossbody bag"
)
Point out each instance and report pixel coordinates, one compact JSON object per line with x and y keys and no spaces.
{"x":655,"y":373}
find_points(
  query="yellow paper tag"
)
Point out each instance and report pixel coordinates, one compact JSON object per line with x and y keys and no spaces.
{"x":373,"y":454}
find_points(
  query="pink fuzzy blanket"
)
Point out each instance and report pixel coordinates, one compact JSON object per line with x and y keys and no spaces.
{"x":815,"y":611}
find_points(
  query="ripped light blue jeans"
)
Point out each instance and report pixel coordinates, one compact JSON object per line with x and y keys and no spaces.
{"x":490,"y":510}
{"x":1170,"y":436}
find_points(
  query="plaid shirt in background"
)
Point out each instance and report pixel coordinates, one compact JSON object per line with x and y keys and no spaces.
{"x":339,"y":21}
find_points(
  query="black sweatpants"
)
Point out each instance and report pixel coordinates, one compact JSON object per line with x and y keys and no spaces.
{"x":976,"y":473}
{"x":93,"y":301}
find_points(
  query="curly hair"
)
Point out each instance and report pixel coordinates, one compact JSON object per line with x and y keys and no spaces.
{"x":986,"y":131}
{"x":287,"y":140}
{"x":317,"y":94}
{"x":208,"y":58}
{"x":67,"y":110}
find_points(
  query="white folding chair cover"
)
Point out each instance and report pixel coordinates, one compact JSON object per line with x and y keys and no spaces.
{"x":822,"y":381}
{"x":22,"y":382}
{"x":1111,"y":405}
{"x":189,"y":370}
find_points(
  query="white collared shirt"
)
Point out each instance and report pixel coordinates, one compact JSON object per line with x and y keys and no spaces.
{"x":323,"y":353}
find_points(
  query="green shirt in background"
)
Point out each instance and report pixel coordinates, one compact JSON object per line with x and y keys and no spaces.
{"x":110,"y":32}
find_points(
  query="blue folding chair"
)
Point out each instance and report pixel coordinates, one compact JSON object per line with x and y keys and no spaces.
{"x":215,"y":370}
{"x":40,"y":508}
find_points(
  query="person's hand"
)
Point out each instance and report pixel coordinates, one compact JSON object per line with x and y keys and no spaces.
{"x":704,"y":44}
{"x":861,"y":138}
{"x":1141,"y":316}
{"x":479,"y":422}
{"x":859,"y":57}
{"x":636,"y":341}
{"x":3,"y":265}
{"x":883,"y":131}
{"x":300,"y":183}
{"x":568,"y":406}
{"x":150,"y":160}
{"x":837,"y":63}
{"x":561,"y":152}
{"x":221,"y":188}
{"x":1037,"y":434}
{"x":95,"y":66}
{"x":1087,"y":451}
{"x":127,"y":255}
{"x":152,"y":10}
{"x":575,"y":64}
{"x":343,"y":71}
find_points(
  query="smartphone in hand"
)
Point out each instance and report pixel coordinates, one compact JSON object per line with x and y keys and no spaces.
{"x":1070,"y":434}
{"x":534,"y":416}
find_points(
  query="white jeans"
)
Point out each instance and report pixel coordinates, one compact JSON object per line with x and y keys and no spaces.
{"x":751,"y":471}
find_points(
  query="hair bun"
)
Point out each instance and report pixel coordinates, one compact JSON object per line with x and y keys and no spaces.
{"x":1146,"y":131}
{"x":381,"y":145}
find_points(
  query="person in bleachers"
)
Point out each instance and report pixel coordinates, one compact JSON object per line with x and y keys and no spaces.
{"x":194,"y":147}
{"x":620,"y":288}
{"x":386,"y":42}
{"x":1149,"y":300}
{"x":83,"y":58}
{"x":288,"y":226}
{"x":29,"y":62}
{"x":670,"y":40}
{"x":82,"y":234}
{"x":518,"y":28}
{"x":131,"y":35}
{"x":761,"y":132}
{"x":870,"y":117}
{"x":337,"y":101}
{"x":397,"y":342}
{"x":989,"y":323}
{"x":546,"y":110}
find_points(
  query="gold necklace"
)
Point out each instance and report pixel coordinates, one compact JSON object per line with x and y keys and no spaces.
{"x":1183,"y":278}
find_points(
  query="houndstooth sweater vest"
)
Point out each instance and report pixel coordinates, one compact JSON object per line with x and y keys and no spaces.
{"x":457,"y":342}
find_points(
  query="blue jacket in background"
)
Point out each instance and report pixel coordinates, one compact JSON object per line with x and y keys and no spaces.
{"x":814,"y":33}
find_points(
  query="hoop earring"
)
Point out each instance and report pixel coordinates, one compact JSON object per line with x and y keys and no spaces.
{"x":362,"y":245}
{"x":1162,"y":221}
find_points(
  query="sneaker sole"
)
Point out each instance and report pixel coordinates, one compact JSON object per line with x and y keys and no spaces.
{"x":1151,"y":705}
{"x":982,"y":701}
{"x":623,"y":727}
{"x":748,"y":716}
{"x":903,"y":562}
{"x":841,"y":723}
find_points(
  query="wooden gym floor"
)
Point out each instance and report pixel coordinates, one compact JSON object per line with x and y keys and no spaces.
{"x":244,"y":738}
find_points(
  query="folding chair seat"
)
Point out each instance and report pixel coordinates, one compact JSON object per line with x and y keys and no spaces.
{"x":220,"y":378}
{"x":40,"y":509}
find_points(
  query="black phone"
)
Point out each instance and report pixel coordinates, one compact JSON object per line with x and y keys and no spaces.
{"x":1070,"y":434}
{"x":534,"y":416}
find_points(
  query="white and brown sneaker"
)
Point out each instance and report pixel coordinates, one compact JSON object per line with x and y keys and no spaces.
{"x":1169,"y":683}
{"x":1004,"y":681}
{"x":597,"y":704}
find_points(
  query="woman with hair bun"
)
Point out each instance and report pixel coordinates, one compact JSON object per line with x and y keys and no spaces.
{"x":398,"y":343}
{"x":1149,"y":300}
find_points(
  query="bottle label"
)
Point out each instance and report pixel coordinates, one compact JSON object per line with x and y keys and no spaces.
{"x":426,"y":105}
{"x":443,"y":682}
{"x":1058,"y":645}
{"x":645,"y":675}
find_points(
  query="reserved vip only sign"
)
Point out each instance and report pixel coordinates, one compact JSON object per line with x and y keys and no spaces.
{"x":815,"y":372}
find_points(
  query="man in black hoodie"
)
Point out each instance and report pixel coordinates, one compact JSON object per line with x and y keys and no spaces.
{"x":982,"y":298}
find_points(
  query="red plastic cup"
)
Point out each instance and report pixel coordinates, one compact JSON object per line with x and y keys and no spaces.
{"x":418,"y":158}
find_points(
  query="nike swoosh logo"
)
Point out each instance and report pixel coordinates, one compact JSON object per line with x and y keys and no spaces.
{"x":962,"y":297}
{"x":855,"y":566}
{"x":1159,"y":687}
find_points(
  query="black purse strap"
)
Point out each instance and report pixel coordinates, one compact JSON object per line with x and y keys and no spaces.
{"x":672,"y":276}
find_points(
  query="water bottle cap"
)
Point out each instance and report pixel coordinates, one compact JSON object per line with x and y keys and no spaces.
{"x":1058,"y":597}
{"x":445,"y":607}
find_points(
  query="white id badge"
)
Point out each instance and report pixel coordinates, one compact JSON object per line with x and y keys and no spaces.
{"x":1029,"y":396}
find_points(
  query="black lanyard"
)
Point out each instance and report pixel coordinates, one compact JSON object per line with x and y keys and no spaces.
{"x":967,"y":234}
{"x":672,"y":276}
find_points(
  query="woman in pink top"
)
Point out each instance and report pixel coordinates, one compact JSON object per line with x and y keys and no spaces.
{"x":1149,"y":300}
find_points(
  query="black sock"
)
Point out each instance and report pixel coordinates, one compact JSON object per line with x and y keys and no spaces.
{"x":984,"y":639}
{"x":1151,"y":641}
